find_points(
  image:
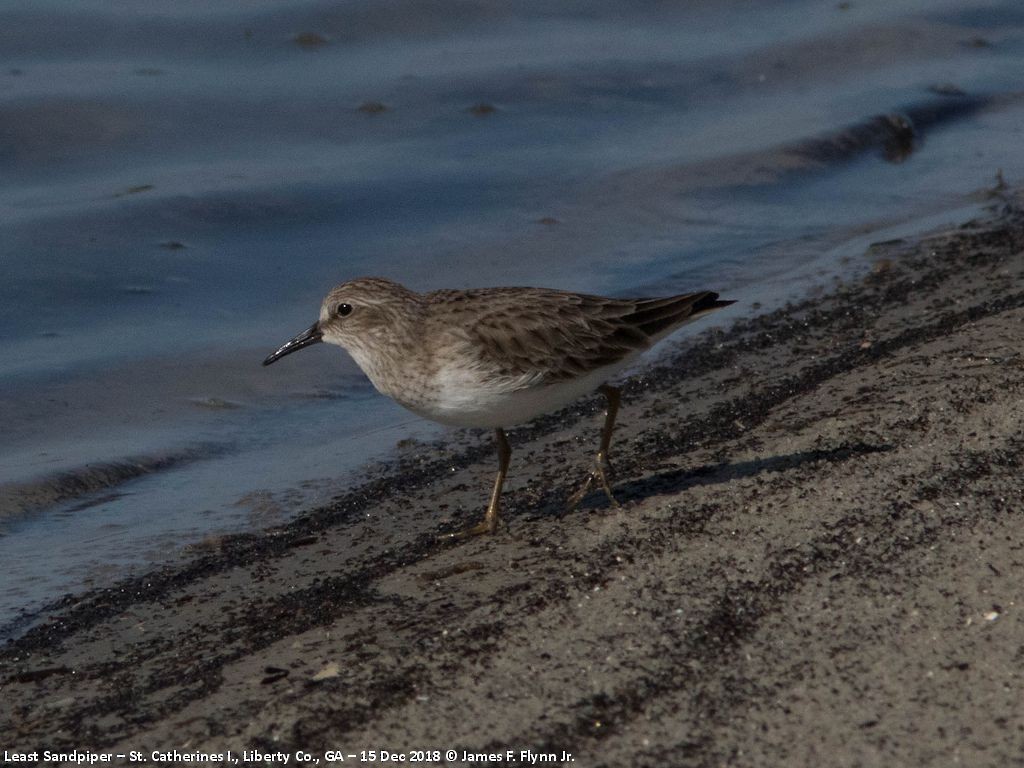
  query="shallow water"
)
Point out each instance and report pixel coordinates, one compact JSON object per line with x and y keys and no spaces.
{"x":184,"y":182}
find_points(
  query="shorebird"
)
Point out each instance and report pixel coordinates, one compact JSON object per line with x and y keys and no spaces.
{"x":495,"y":357}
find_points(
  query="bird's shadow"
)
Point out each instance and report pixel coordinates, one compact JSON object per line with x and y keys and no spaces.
{"x":677,"y":480}
{"x":680,"y":479}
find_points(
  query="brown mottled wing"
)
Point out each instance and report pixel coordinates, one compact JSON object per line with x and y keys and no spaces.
{"x":559,"y":335}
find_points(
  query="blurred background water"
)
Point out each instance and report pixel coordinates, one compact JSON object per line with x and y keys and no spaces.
{"x":181,"y":183}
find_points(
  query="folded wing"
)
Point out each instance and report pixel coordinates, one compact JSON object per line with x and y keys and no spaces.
{"x":542,"y":336}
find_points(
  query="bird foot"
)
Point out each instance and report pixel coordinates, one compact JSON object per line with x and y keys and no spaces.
{"x":485,"y":526}
{"x":602,"y":468}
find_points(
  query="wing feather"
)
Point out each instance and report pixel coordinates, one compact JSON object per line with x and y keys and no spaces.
{"x":543,"y":336}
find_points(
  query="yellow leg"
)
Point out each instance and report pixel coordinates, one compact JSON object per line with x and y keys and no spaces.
{"x":490,"y":522}
{"x":602,"y":465}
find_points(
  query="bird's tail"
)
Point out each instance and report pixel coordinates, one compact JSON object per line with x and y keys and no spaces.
{"x":655,"y":317}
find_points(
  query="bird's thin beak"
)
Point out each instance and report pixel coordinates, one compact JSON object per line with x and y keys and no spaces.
{"x":311,"y":335}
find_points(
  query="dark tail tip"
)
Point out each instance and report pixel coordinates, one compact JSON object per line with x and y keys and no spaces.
{"x":710,"y":302}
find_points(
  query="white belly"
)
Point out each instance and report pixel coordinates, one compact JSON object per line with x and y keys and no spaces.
{"x":461,"y":400}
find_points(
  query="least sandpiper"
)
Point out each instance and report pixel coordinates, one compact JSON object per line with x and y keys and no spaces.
{"x":495,"y":357}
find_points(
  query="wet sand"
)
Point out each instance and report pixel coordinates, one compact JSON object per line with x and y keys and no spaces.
{"x":816,"y":562}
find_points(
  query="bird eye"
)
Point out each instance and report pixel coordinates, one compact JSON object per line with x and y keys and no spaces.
{"x":344,"y":309}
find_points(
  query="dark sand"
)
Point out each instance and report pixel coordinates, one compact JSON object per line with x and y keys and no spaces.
{"x":817,"y":562}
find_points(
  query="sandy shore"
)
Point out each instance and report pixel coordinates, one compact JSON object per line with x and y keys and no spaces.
{"x":817,"y":561}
